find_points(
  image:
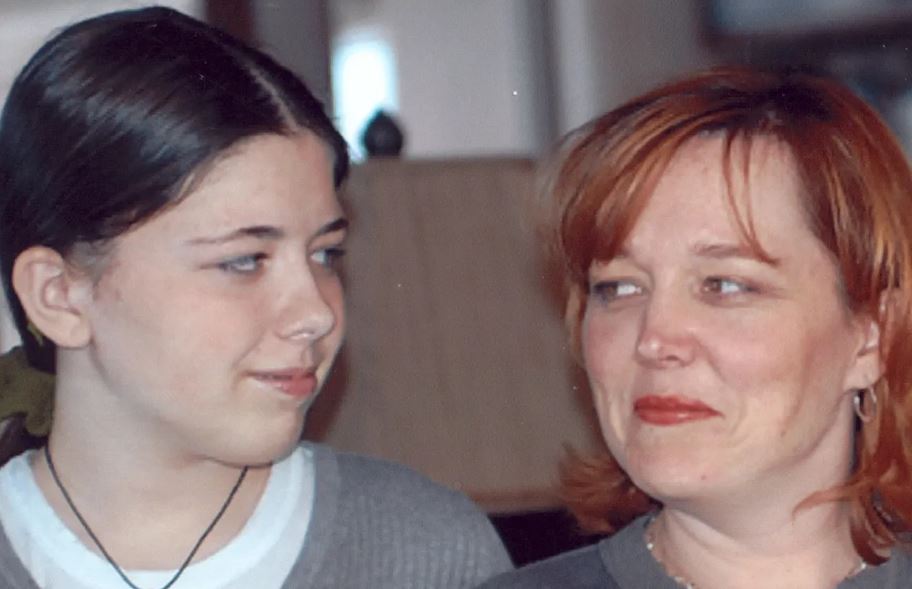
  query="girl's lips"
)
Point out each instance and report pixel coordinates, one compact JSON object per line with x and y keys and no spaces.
{"x":294,"y":383}
{"x":671,"y":410}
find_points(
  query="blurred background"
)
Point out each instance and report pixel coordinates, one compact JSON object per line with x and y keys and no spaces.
{"x":456,"y":361}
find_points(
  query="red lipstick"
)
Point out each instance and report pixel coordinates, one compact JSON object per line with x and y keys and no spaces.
{"x":671,"y":410}
{"x":295,"y":383}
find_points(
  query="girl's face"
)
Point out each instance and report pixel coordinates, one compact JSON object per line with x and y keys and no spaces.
{"x":717,"y":374}
{"x":214,"y":324}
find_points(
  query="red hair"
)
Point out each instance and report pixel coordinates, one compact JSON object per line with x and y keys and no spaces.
{"x":858,"y":199}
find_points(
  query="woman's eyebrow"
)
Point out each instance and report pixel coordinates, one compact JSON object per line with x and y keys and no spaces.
{"x":721,"y":251}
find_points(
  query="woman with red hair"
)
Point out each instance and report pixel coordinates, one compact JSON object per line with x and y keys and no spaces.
{"x":737,"y":251}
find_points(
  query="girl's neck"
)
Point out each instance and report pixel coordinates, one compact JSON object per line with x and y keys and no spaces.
{"x":115,"y":453}
{"x":147,"y":495}
{"x":146,"y":510}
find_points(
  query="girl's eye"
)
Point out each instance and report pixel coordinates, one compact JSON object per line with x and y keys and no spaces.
{"x":329,"y":256}
{"x":725,"y":286}
{"x":248,"y":264}
{"x":611,"y":290}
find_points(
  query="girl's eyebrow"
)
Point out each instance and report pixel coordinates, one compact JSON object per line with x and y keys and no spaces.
{"x":340,"y":224}
{"x":264,"y":232}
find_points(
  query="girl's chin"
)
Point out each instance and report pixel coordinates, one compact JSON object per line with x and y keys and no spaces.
{"x":259,"y":450}
{"x":262,"y":456}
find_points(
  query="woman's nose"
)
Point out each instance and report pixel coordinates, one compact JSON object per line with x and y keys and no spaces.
{"x":666,"y":338}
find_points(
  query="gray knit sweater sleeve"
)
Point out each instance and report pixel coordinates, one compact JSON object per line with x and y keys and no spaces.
{"x":374,"y":525}
{"x":379,"y":525}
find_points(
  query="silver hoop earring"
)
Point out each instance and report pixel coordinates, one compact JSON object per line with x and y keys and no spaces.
{"x":859,"y":402}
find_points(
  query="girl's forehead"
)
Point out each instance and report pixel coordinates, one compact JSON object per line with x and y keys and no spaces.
{"x":270,"y":181}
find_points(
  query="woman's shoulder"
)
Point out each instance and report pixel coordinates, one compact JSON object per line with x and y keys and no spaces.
{"x":621,"y":560}
{"x":895,"y":573}
{"x":582,"y":568}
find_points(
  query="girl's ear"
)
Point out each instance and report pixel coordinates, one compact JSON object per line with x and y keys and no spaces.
{"x":54,"y":296}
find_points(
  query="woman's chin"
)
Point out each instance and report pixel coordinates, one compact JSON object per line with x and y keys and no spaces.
{"x":669,"y":489}
{"x":666,"y":478}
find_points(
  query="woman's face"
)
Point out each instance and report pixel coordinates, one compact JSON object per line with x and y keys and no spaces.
{"x":716,"y":374}
{"x":214,"y":324}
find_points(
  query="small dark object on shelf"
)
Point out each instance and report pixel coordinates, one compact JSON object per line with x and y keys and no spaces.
{"x":382,"y":136}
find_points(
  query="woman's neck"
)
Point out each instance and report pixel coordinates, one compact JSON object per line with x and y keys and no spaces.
{"x":808,"y":548}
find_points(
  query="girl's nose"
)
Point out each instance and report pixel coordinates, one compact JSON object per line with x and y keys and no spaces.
{"x":307,"y":314}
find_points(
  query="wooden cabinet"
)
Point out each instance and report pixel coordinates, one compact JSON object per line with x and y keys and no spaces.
{"x":456,"y":360}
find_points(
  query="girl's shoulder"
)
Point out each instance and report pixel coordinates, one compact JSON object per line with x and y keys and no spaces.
{"x":418,"y":533}
{"x":362,"y":483}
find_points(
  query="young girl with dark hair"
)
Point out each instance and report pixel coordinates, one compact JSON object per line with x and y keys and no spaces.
{"x":169,"y":230}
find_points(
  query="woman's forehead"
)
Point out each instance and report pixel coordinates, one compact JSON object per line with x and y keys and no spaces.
{"x":711,"y":175}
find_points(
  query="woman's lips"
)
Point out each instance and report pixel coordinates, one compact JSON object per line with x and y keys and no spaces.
{"x":671,"y":410}
{"x":294,"y":383}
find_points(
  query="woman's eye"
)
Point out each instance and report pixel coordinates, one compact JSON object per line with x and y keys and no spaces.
{"x":248,"y":264}
{"x":725,"y":286}
{"x":610,"y":290}
{"x":329,"y":256}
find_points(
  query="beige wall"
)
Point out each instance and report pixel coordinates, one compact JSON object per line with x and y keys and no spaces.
{"x":467,"y":71}
{"x":506,"y":77}
{"x":26,"y":24}
{"x":296,"y":32}
{"x":607,"y":51}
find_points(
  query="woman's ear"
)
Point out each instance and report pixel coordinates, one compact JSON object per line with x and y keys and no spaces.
{"x":868,"y":366}
{"x":54,"y":295}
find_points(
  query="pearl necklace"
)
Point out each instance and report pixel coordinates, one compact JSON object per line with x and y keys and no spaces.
{"x":649,"y":538}
{"x":650,"y":546}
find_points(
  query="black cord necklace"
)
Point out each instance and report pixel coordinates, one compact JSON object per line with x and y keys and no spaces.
{"x":85,"y":525}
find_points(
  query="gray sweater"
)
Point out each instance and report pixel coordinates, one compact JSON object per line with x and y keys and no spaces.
{"x":623,"y":562}
{"x":375,"y":525}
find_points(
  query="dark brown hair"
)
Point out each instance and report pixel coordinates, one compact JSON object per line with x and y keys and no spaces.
{"x":108,"y":122}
